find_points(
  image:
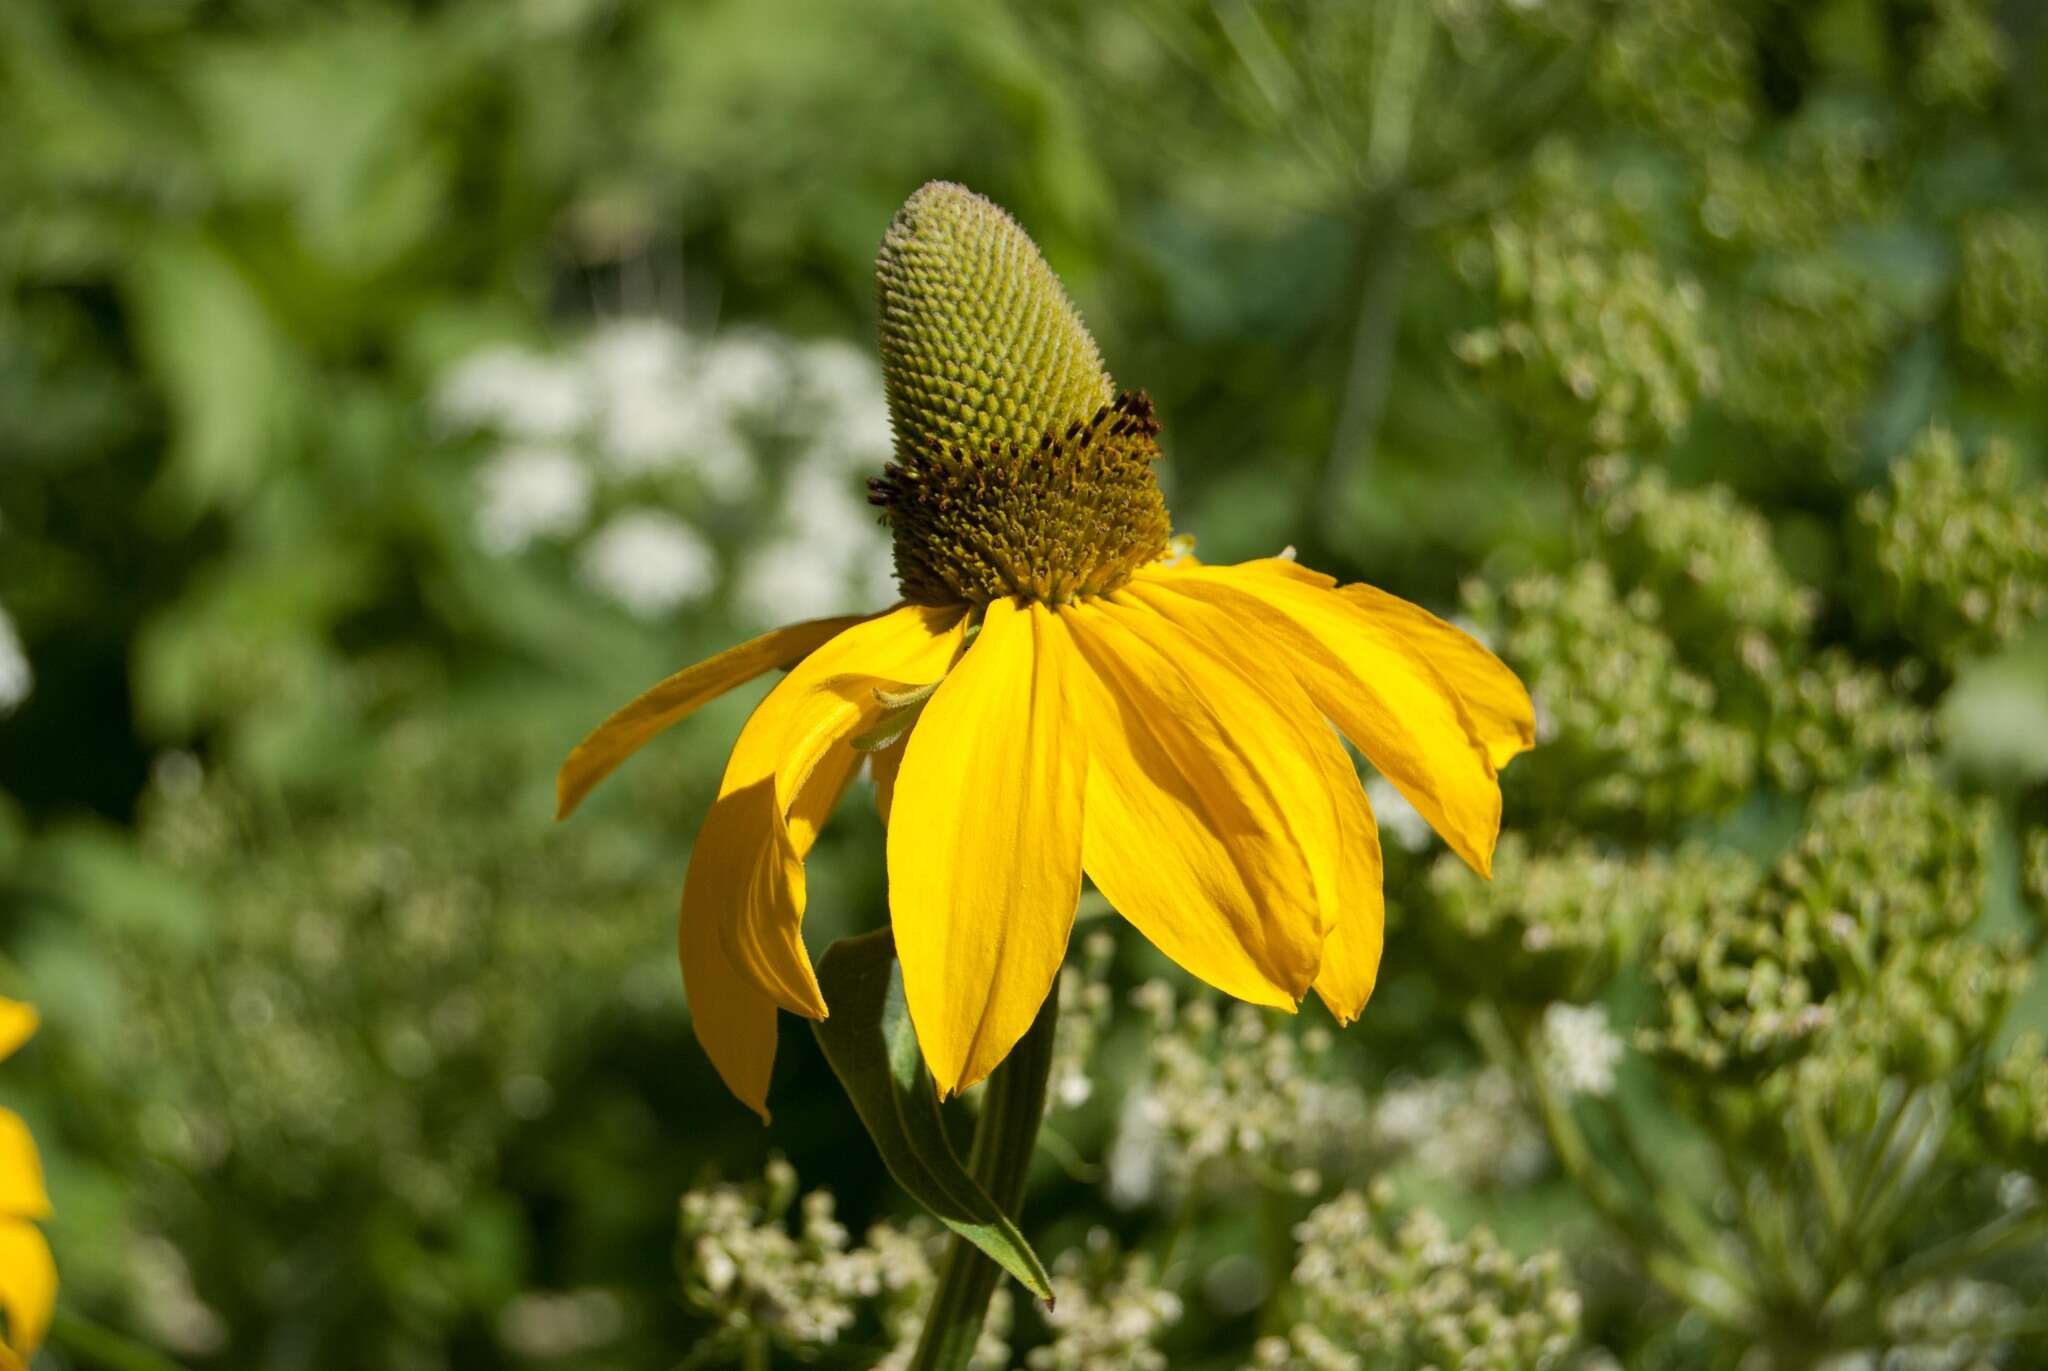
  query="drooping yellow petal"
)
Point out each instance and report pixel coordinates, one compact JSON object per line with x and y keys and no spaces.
{"x":17,"y":1025}
{"x":28,"y":1285}
{"x":1493,"y":695}
{"x":1495,"y":699}
{"x":1187,"y":834}
{"x":624,"y":733}
{"x":1310,"y":758}
{"x":746,"y":876}
{"x":985,"y":843}
{"x":22,"y":1195}
{"x":1348,"y":868}
{"x":734,"y":1018}
{"x":1389,"y":699}
{"x":1351,"y":954}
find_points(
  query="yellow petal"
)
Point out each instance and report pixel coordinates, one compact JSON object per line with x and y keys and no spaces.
{"x":1386,"y":696}
{"x":17,"y":1025}
{"x":1494,"y":696}
{"x":1187,"y":833}
{"x":28,"y":1285}
{"x":22,"y":1195}
{"x":1495,"y":700}
{"x":1351,"y":954}
{"x":1346,"y":862}
{"x":792,"y":760}
{"x":734,"y":1018}
{"x":623,"y":734}
{"x":1305,"y":757}
{"x":985,"y":844}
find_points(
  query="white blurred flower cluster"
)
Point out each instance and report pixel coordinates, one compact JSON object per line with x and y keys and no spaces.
{"x":767,"y":1287}
{"x":671,"y":465}
{"x":1086,"y":1007}
{"x":1472,"y":1129}
{"x":1230,"y":1096}
{"x":1580,"y":1048}
{"x":1105,"y":1312}
{"x":1951,"y":1325}
{"x":1403,"y":1294}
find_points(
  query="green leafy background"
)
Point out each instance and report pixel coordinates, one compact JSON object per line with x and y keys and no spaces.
{"x":1696,"y":351}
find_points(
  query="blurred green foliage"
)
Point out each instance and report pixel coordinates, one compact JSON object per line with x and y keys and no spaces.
{"x":1695,"y":350}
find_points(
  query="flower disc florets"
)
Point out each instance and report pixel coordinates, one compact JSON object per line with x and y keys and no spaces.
{"x":1019,"y":470}
{"x":1075,"y":514}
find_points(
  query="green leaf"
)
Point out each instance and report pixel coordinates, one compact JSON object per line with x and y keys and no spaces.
{"x":873,"y":1050}
{"x":229,"y":372}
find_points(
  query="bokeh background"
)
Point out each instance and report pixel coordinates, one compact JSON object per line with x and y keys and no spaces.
{"x":388,"y":390}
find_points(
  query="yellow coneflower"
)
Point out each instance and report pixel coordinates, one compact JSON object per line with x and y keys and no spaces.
{"x":28,"y":1275}
{"x":1058,"y":694}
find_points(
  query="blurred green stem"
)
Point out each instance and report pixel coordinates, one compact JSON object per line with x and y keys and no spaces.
{"x":1960,"y":1254}
{"x":1827,"y":1171}
{"x":1699,"y":1276}
{"x":1004,"y":1137}
{"x":1382,"y":255}
{"x":1183,"y":1220}
{"x":95,"y":1346}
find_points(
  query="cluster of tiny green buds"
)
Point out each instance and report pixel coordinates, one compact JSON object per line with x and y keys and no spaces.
{"x":1963,"y":58}
{"x":1724,"y":593}
{"x":1899,"y":861}
{"x":1682,"y":67}
{"x":1399,"y":1293}
{"x":1961,"y":546}
{"x":1933,"y":1002}
{"x":1830,"y":167}
{"x":1809,"y":350}
{"x":1592,"y":338}
{"x":1554,"y":926}
{"x":1708,"y":557}
{"x":2002,"y":300}
{"x":2034,"y":875}
{"x":1737,"y":997}
{"x":1836,"y":720}
{"x":1633,"y":732}
{"x":2013,"y":1104}
{"x":1858,"y":930}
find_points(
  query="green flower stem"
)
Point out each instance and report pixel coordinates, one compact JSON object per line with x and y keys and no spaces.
{"x":1827,"y":1171}
{"x":1960,"y":1254}
{"x":1004,"y":1139}
{"x":1903,"y":1163}
{"x":1881,"y":1139}
{"x":1691,"y":1228}
{"x":1704,"y":1279}
{"x":1383,"y":240}
{"x":92,"y":1345}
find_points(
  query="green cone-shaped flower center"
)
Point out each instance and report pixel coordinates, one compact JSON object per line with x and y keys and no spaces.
{"x":1019,"y":469}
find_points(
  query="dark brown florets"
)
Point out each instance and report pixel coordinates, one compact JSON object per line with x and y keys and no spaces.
{"x":1073,"y":514}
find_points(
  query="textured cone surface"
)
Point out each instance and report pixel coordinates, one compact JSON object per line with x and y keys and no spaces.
{"x":979,"y":342}
{"x":1019,"y":471}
